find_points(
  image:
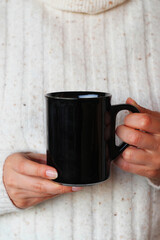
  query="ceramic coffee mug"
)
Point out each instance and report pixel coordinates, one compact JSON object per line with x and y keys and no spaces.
{"x":81,"y":135}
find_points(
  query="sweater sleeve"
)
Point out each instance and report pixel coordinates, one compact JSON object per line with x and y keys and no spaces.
{"x":6,"y":205}
{"x":154,"y":183}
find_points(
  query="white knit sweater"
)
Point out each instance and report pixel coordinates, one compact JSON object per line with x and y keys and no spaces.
{"x":43,"y":49}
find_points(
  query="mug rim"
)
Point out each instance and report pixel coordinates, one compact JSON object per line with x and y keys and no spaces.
{"x":53,"y":95}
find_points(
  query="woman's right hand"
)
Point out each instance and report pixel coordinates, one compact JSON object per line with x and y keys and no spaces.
{"x":27,"y":179}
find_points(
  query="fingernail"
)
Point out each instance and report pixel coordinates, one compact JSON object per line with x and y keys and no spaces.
{"x":51,"y":174}
{"x":75,"y":189}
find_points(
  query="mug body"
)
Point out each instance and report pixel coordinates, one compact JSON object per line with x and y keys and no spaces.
{"x":78,"y":135}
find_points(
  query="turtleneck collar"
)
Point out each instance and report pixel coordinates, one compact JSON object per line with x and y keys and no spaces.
{"x":84,"y":6}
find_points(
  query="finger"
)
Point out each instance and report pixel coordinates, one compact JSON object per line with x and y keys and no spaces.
{"x":36,"y":157}
{"x":28,"y":167}
{"x":143,"y":121}
{"x":39,"y":185}
{"x":142,"y":109}
{"x":137,"y":138}
{"x":136,"y":156}
{"x":39,"y":161}
{"x":137,"y":169}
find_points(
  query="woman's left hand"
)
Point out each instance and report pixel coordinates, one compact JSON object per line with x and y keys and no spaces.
{"x":142,"y":132}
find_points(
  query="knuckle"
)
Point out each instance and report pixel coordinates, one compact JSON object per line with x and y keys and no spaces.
{"x":8,"y":160}
{"x":127,"y":154}
{"x":13,"y":156}
{"x":127,"y":117}
{"x":11,"y":159}
{"x":38,"y":171}
{"x":21,"y":167}
{"x":145,"y":121}
{"x":41,"y":170}
{"x":63,"y":190}
{"x":39,"y":187}
{"x":135,"y":138}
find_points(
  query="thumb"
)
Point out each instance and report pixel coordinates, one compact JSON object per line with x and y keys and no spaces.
{"x":142,"y":109}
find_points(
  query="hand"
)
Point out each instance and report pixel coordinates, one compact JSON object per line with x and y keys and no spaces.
{"x":28,"y":180}
{"x":142,"y":132}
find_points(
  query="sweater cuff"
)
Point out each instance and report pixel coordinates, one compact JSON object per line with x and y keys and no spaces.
{"x":6,"y":205}
{"x":87,"y":6}
{"x":154,"y":183}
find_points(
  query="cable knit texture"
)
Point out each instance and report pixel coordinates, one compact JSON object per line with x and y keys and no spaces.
{"x":43,"y":49}
{"x":84,"y":6}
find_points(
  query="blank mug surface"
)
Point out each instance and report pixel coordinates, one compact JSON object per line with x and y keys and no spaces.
{"x":81,"y":136}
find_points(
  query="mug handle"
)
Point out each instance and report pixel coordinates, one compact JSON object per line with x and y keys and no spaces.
{"x":116,"y":150}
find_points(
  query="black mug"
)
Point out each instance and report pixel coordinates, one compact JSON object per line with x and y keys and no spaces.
{"x":81,"y":135}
